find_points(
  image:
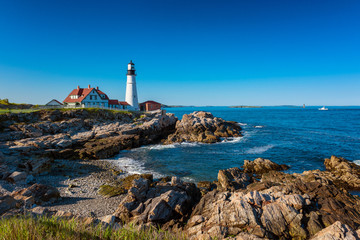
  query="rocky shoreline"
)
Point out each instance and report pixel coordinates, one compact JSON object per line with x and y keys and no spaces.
{"x":254,"y":201}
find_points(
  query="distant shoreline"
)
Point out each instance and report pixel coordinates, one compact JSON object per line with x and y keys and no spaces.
{"x":245,"y":107}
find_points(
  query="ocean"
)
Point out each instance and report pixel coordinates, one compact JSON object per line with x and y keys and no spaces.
{"x":300,"y":138}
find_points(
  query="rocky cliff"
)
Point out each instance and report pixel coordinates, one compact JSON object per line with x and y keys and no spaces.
{"x":278,"y":206}
{"x":29,"y":141}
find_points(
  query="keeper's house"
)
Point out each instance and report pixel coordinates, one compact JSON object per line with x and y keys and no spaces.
{"x":92,"y":97}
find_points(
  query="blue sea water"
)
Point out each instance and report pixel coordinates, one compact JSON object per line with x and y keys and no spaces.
{"x":298,"y":137}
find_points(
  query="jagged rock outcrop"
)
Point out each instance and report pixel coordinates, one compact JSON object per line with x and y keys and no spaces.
{"x":332,"y":203}
{"x":232,"y":179}
{"x":128,"y":136}
{"x":260,"y":166}
{"x":220,"y":214}
{"x":346,"y":172}
{"x":280,"y":205}
{"x":203,"y":127}
{"x":82,"y":133}
{"x":35,"y":194}
{"x":336,"y":231}
{"x":160,"y":203}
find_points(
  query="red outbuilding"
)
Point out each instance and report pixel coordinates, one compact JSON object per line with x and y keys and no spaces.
{"x":150,"y":106}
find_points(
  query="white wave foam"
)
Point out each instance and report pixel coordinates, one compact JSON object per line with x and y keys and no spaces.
{"x":231,"y":140}
{"x":188,"y":179}
{"x":133,"y":166}
{"x":161,"y":147}
{"x":258,"y":150}
{"x":190,"y":144}
{"x":258,"y":126}
{"x":242,"y":124}
{"x":357,"y":162}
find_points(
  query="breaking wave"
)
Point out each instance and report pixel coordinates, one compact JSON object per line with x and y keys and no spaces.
{"x":259,"y":150}
{"x":132,"y":166}
{"x":357,"y":162}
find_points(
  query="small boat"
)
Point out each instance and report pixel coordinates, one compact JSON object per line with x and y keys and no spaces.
{"x":323,"y":108}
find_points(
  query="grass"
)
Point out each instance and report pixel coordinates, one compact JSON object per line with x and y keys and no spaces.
{"x":3,"y":111}
{"x":51,"y":228}
{"x":90,"y":110}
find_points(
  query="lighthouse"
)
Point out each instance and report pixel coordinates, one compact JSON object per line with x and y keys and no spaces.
{"x":131,"y":94}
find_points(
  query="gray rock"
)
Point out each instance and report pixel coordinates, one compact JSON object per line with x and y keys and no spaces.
{"x":203,"y":127}
{"x":260,"y":166}
{"x":17,"y":176}
{"x":336,"y":231}
{"x":233,"y":179}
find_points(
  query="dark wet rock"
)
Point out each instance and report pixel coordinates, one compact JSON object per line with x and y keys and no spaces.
{"x":107,"y":147}
{"x":203,"y":127}
{"x":260,"y":166}
{"x":7,"y":202}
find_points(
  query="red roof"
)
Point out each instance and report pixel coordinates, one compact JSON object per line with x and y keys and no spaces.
{"x":102,"y":93}
{"x":82,"y":93}
{"x":113,"y":102}
{"x":150,"y":102}
{"x":124,"y":103}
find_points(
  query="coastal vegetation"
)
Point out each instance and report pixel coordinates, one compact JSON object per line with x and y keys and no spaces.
{"x":51,"y":228}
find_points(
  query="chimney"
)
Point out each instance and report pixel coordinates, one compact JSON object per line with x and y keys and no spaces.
{"x":89,"y":86}
{"x":97,"y":88}
{"x":78,"y":87}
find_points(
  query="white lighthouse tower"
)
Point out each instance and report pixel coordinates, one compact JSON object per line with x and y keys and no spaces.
{"x":131,"y":94}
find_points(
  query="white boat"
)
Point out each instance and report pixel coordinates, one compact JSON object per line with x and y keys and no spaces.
{"x":323,"y":108}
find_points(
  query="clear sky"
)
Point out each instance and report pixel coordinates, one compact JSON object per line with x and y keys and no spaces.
{"x":188,"y":52}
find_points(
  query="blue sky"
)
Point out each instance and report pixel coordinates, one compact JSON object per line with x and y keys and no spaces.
{"x":255,"y":52}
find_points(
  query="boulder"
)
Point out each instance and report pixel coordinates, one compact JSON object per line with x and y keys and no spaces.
{"x":37,"y":193}
{"x":6,"y":203}
{"x":347,"y":173}
{"x":336,"y":231}
{"x":203,"y":127}
{"x":158,"y":202}
{"x":17,"y":177}
{"x":260,"y":166}
{"x":108,"y":220}
{"x":232,"y":179}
